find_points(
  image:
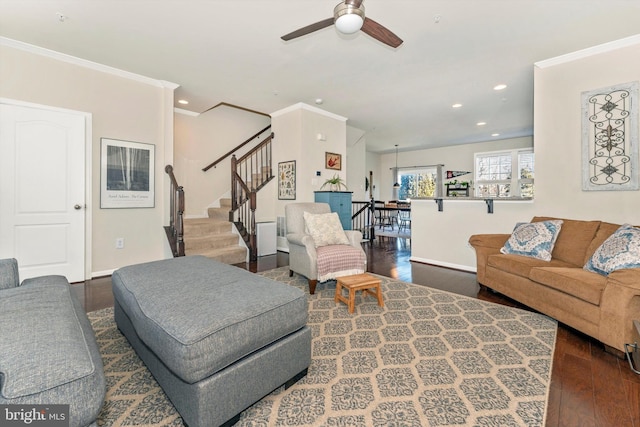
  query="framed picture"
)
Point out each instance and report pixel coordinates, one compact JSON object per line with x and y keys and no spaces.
{"x":610,"y":138}
{"x":333,"y":161}
{"x":287,"y":180}
{"x":126,"y":174}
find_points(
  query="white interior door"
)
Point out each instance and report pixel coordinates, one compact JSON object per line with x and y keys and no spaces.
{"x":42,"y":191}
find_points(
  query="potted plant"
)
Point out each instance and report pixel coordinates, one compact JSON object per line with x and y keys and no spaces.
{"x":456,"y":184}
{"x":335,"y":183}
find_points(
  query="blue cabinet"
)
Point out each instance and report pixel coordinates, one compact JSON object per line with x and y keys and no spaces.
{"x":340,"y":202}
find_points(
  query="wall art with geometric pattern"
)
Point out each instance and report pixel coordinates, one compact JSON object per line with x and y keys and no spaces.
{"x":610,"y":138}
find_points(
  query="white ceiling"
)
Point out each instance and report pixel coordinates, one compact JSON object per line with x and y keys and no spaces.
{"x":230,"y":51}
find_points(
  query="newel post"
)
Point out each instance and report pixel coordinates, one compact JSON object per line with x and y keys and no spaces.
{"x":234,"y":187}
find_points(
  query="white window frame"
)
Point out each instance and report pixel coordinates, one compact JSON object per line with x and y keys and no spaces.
{"x":515,"y":180}
{"x":419,"y":170}
{"x":397,"y":172}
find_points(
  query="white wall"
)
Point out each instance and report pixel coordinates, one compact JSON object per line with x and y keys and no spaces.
{"x":373,"y":165}
{"x":441,"y":237}
{"x":356,"y":163}
{"x":122,"y":106}
{"x":296,"y":129}
{"x":201,"y":139}
{"x":558,"y":130}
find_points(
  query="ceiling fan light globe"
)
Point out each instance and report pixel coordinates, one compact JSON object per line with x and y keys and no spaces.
{"x":349,"y":24}
{"x":348,"y":19}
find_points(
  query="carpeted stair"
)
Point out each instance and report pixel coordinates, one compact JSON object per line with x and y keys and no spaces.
{"x":213,"y":237}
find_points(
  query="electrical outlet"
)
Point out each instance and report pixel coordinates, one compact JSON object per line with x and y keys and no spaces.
{"x":120,"y":243}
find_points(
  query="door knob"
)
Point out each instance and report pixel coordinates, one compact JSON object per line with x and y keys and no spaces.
{"x":77,"y":207}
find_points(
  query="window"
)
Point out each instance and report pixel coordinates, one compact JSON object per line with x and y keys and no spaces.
{"x":419,"y":182}
{"x":494,"y":177}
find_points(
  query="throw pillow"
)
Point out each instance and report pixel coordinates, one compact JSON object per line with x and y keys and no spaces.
{"x":620,"y":250}
{"x":533,"y":239}
{"x":325,"y":229}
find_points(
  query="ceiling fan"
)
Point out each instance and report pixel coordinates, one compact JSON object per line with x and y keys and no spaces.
{"x":348,"y":17}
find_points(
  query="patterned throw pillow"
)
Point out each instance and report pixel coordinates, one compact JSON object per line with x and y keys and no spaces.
{"x":326,"y":229}
{"x":533,"y":239}
{"x":620,"y":250}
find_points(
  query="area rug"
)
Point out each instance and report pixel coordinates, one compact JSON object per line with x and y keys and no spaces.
{"x":427,"y":358}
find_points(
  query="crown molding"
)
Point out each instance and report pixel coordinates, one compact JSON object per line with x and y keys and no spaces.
{"x":37,"y":50}
{"x":303,"y":106}
{"x":590,"y":51}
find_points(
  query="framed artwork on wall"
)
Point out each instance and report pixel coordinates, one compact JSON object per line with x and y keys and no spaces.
{"x":287,"y":180}
{"x":333,"y":161}
{"x":126,"y":174}
{"x":610,"y":138}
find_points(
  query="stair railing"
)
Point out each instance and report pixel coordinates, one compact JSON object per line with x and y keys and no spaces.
{"x":249,"y":174}
{"x":362,"y":218}
{"x":230,"y":152}
{"x":175,"y":229}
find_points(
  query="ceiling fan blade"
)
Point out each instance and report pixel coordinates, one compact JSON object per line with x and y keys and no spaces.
{"x":380,"y":33}
{"x":308,"y":29}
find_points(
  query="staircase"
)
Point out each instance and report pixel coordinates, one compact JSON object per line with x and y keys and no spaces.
{"x":213,"y":237}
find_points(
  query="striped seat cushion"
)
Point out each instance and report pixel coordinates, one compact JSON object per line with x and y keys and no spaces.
{"x":339,"y":260}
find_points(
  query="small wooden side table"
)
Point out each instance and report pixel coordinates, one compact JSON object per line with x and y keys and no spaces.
{"x":358,"y":282}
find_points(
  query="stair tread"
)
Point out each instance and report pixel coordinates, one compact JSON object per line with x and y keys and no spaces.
{"x":214,"y":236}
{"x":222,"y":250}
{"x":207,"y":220}
{"x":232,"y":251}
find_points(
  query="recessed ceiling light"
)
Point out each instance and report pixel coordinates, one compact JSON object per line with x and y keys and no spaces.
{"x":495,"y":134}
{"x":500,"y":87}
{"x":456,"y":106}
{"x":319,"y":101}
{"x":183,"y":101}
{"x":481,"y":123}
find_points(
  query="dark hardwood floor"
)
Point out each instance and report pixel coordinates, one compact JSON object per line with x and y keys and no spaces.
{"x":589,"y":387}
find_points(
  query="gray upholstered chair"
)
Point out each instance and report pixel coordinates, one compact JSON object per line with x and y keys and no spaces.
{"x":9,"y":277}
{"x":303,"y":254}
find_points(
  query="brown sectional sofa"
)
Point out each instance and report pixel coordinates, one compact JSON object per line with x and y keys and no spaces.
{"x":603,"y":307}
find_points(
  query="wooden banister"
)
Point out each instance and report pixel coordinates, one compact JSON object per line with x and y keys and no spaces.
{"x":249,"y":174}
{"x":230,"y":152}
{"x":175,"y":229}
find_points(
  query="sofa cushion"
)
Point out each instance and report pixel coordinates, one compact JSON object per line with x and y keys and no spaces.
{"x":574,"y":239}
{"x":605,"y":230}
{"x":521,"y":265}
{"x":199,"y":316}
{"x":535,"y":239}
{"x":325,"y":229}
{"x":43,"y":345}
{"x":574,"y":281}
{"x":621,"y":250}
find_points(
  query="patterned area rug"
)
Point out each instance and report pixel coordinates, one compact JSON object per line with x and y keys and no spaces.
{"x":427,"y":358}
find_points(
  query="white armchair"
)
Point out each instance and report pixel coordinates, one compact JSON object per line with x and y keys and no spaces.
{"x":303,"y":254}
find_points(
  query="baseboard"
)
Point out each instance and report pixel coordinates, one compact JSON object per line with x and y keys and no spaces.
{"x":444,"y":264}
{"x":104,"y":273}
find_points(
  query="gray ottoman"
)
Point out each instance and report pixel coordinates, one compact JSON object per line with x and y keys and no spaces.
{"x":216,"y":338}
